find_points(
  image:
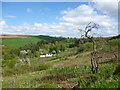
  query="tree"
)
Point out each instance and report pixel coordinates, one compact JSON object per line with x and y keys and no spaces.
{"x":62,"y":48}
{"x":94,"y":59}
{"x":37,"y":54}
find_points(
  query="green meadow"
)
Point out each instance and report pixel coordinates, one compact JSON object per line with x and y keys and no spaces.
{"x":19,"y":42}
{"x":70,"y":68}
{"x":15,"y":43}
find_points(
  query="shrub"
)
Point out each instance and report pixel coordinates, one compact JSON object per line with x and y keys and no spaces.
{"x":9,"y":63}
{"x":53,"y":48}
{"x":23,"y":69}
{"x":8,"y":71}
{"x":41,"y":67}
{"x":8,"y":56}
{"x":75,"y":43}
{"x":71,"y":46}
{"x":113,"y":42}
{"x":4,"y":62}
{"x":37,"y":54}
{"x":62,"y":48}
{"x":95,"y":77}
{"x":81,"y":48}
{"x":82,"y":82}
{"x":105,"y":73}
{"x":88,"y":46}
{"x":104,"y":84}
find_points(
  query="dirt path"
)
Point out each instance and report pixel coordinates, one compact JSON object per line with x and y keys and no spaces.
{"x":11,"y":36}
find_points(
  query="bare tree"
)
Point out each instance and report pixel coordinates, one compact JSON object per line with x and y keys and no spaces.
{"x":98,"y":45}
{"x":95,"y":57}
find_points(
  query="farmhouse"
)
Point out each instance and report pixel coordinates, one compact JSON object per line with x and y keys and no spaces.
{"x":47,"y":55}
{"x":23,"y":52}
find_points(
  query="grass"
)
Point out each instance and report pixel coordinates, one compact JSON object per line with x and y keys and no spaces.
{"x":16,"y":43}
{"x":65,"y":76}
{"x":48,"y":86}
{"x":66,"y":70}
{"x":54,"y":78}
{"x":35,"y":79}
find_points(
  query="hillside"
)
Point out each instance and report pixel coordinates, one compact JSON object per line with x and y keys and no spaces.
{"x":17,"y":41}
{"x":69,"y":68}
{"x":64,"y":72}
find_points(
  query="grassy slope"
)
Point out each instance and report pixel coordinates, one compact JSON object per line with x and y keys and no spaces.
{"x":16,"y":43}
{"x":19,"y":42}
{"x":65,"y":72}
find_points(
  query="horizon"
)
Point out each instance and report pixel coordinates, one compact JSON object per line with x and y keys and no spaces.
{"x":58,"y":18}
{"x":53,"y":36}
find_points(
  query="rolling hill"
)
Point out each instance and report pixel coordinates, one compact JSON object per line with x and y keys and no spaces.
{"x":17,"y":41}
{"x":70,"y":68}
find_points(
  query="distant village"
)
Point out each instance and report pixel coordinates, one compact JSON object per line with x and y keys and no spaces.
{"x":40,"y":50}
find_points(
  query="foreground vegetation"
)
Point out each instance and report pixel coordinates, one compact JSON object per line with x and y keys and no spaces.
{"x":70,"y":68}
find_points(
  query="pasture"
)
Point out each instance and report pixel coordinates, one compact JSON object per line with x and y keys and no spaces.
{"x":69,"y":68}
{"x":16,"y":43}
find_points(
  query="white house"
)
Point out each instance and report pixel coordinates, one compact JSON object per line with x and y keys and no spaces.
{"x":47,"y":55}
{"x":42,"y":55}
{"x":23,"y":51}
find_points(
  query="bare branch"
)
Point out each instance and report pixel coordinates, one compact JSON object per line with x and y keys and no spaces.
{"x":88,"y":29}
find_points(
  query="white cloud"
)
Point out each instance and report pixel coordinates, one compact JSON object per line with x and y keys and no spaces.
{"x":84,"y":14}
{"x":69,"y":23}
{"x":37,"y":24}
{"x":2,"y":23}
{"x":11,"y":16}
{"x":107,"y":6}
{"x":29,"y":10}
{"x":109,"y":31}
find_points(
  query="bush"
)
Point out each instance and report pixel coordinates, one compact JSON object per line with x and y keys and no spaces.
{"x":23,"y":69}
{"x":53,"y":48}
{"x":9,"y":63}
{"x":95,"y":77}
{"x":105,"y":72}
{"x":8,"y":71}
{"x":37,"y":54}
{"x":114,"y":42}
{"x":8,"y":56}
{"x":81,"y":48}
{"x":62,"y":48}
{"x":88,"y":46}
{"x":104,"y":84}
{"x":82,"y":82}
{"x":75,"y":43}
{"x":41,"y":67}
{"x":71,"y":46}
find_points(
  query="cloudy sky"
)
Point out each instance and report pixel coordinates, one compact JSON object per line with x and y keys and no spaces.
{"x":59,"y":18}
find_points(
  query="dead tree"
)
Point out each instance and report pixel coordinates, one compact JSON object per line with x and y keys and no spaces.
{"x":94,"y":59}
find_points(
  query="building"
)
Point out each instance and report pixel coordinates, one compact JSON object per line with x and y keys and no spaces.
{"x":47,"y":55}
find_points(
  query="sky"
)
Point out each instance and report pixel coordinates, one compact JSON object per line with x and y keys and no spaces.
{"x":59,"y":18}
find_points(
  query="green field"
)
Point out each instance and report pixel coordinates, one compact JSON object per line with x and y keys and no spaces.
{"x":16,"y":43}
{"x":66,"y":70}
{"x":19,"y":42}
{"x":70,"y":68}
